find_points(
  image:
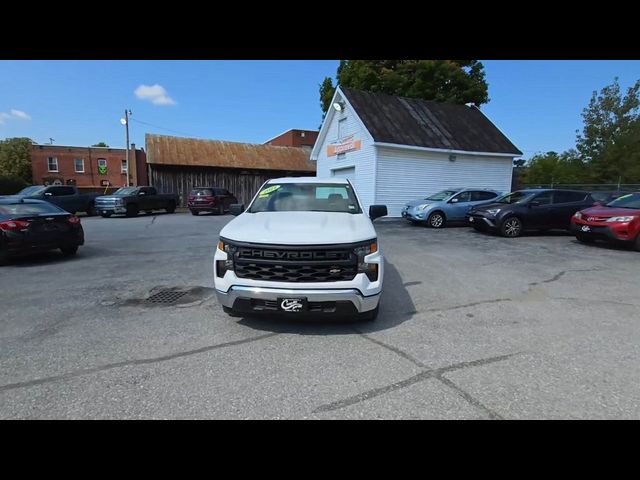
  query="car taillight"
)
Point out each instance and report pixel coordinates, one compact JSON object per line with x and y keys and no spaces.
{"x":73,"y":220}
{"x":14,"y":225}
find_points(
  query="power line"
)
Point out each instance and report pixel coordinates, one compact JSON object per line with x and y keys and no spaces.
{"x":162,"y":128}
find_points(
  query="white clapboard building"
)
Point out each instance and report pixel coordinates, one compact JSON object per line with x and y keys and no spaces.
{"x":396,"y":149}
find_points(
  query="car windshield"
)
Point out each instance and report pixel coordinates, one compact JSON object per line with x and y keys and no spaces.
{"x":126,"y":191}
{"x":443,"y":195}
{"x":306,"y":197}
{"x":20,"y":209}
{"x":202,"y":191}
{"x":627,"y":201}
{"x":33,"y":190}
{"x":514,"y":197}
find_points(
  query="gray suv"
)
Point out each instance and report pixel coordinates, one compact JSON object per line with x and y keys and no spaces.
{"x":448,"y":205}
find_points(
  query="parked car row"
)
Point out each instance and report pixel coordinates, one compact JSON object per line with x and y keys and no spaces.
{"x":591,"y":216}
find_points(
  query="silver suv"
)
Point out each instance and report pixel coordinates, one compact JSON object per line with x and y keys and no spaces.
{"x":451,"y":205}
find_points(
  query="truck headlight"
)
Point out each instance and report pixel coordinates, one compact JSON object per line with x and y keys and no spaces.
{"x":223,"y":265}
{"x":369,"y":269}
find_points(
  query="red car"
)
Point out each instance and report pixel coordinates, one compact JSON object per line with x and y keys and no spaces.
{"x":210,"y":199}
{"x":617,"y":221}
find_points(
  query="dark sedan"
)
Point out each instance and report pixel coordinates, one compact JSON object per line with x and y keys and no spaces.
{"x":31,"y":226}
{"x":539,"y":209}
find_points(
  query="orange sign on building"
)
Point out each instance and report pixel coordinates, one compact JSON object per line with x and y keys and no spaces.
{"x":347,"y":144}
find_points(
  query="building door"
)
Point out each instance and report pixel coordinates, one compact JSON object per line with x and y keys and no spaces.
{"x":348,"y":173}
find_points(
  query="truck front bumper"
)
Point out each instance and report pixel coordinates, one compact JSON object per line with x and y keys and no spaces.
{"x":111,"y":209}
{"x":254,"y":299}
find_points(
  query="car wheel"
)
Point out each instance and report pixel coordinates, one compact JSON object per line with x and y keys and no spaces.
{"x":171,"y":208}
{"x":511,"y":227}
{"x":132,"y":210}
{"x":4,"y":257}
{"x":436,"y":220}
{"x":369,"y":316}
{"x":636,"y":244}
{"x":584,"y":238}
{"x":69,"y":251}
{"x":229,"y":311}
{"x":105,"y":215}
{"x":194,"y":212}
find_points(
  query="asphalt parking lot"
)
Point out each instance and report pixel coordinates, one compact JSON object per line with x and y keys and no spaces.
{"x":472,"y":326}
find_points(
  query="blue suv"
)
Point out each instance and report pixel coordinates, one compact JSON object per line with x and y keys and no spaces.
{"x":449,"y":205}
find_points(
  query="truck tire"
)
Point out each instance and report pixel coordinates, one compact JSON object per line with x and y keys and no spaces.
{"x":171,"y":208}
{"x":229,"y":311}
{"x":106,"y":215}
{"x":369,"y":316}
{"x":91,"y":210}
{"x":132,"y":210}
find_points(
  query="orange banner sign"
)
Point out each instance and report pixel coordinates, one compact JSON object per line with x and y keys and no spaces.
{"x":346,"y":145}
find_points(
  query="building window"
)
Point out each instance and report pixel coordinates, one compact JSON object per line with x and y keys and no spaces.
{"x":79,"y":165}
{"x":341,"y":156}
{"x":52,"y":164}
{"x":302,"y":134}
{"x":342,"y":128}
{"x":123,"y":167}
{"x":102,"y":166}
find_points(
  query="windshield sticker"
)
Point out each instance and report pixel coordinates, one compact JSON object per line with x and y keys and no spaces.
{"x":267,"y":191}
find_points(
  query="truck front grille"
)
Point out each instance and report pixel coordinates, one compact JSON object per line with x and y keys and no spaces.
{"x":296,"y":265}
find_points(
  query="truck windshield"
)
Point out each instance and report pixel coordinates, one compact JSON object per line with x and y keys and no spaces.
{"x":126,"y":191}
{"x":33,"y":190}
{"x":306,"y":197}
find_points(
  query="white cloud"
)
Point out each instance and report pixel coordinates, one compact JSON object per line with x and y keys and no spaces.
{"x":13,"y":113}
{"x":155,"y":94}
{"x":19,"y":114}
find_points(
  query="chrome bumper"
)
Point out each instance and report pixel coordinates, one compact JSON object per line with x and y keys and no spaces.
{"x":362,"y":303}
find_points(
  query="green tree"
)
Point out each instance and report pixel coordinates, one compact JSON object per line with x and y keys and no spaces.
{"x":15,"y":158}
{"x":609,"y":138}
{"x":454,"y":81}
{"x":100,"y":144}
{"x":552,"y":167}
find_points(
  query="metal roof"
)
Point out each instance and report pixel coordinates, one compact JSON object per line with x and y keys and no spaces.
{"x":168,"y":150}
{"x":428,"y":124}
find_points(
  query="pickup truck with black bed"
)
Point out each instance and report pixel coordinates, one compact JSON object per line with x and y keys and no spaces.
{"x":64,"y":196}
{"x":133,"y":200}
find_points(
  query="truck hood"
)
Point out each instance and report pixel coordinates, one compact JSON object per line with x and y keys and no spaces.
{"x":299,"y":228}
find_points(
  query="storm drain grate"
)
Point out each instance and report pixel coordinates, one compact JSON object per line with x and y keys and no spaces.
{"x":166,"y":297}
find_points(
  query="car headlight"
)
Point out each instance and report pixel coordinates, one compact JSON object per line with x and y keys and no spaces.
{"x":620,"y":219}
{"x":493,"y":211}
{"x":423,"y":206}
{"x":578,"y":215}
{"x":369,"y":269}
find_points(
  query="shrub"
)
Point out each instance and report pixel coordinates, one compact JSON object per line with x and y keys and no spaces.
{"x":10,"y":184}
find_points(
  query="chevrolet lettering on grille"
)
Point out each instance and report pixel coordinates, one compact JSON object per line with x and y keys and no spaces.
{"x":292,"y":254}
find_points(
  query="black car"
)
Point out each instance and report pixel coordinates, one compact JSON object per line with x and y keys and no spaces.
{"x":535,"y":209}
{"x":30,"y":226}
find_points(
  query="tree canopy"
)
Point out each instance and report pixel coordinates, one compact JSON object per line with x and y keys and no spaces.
{"x":455,"y":81}
{"x":100,"y":144}
{"x":15,"y":158}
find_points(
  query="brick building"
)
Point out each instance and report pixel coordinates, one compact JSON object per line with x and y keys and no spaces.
{"x":295,"y":138}
{"x":88,"y":168}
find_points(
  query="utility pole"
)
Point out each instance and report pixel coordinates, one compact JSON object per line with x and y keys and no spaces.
{"x":125,"y":122}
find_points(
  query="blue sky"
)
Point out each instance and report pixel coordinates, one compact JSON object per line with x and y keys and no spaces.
{"x":536,"y":103}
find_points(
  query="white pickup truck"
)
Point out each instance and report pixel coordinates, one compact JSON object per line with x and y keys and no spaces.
{"x":303,"y":246}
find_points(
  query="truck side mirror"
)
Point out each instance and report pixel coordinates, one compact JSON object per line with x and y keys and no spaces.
{"x":236,"y":208}
{"x":48,"y":194}
{"x":141,"y":193}
{"x":377,"y":211}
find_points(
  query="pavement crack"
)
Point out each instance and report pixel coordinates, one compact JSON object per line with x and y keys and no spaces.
{"x":469,"y":398}
{"x":126,"y":363}
{"x":561,"y":274}
{"x":467,"y":305}
{"x":395,"y":350}
{"x":153,"y":219}
{"x":435,"y":373}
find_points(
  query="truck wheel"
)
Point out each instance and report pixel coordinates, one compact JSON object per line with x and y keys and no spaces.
{"x":369,"y":316}
{"x":171,"y":208}
{"x":132,"y":210}
{"x":511,"y":227}
{"x":106,"y":215}
{"x":91,"y":210}
{"x":69,"y":251}
{"x":436,"y":220}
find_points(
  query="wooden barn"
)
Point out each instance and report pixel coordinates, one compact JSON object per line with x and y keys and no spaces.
{"x":177,"y":165}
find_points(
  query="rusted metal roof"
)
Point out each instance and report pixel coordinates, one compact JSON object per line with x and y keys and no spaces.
{"x":168,"y":150}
